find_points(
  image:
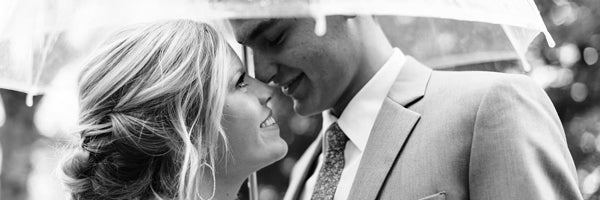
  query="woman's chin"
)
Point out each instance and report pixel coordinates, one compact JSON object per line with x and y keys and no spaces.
{"x":274,"y":150}
{"x":277,"y":149}
{"x":275,"y":146}
{"x":281,"y":151}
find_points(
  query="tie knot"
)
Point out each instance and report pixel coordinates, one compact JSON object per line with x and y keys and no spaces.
{"x":336,"y":138}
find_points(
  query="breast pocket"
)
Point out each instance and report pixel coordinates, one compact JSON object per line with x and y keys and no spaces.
{"x":437,"y":196}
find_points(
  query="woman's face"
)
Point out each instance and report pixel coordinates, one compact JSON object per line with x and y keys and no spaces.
{"x":249,"y":125}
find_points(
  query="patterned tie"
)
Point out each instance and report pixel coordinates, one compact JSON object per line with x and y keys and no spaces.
{"x":330,"y":173}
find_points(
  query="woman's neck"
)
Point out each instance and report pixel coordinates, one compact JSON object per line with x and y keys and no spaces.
{"x":226,"y":188}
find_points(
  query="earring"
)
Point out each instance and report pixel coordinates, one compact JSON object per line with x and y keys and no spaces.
{"x":214,"y":180}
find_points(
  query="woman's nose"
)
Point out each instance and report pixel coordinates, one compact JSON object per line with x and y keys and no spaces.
{"x":261,"y":90}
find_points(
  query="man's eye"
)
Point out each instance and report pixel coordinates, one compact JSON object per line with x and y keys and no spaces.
{"x":278,"y":40}
{"x":241,"y":81}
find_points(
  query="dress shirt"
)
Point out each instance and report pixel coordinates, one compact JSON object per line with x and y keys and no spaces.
{"x":356,"y":121}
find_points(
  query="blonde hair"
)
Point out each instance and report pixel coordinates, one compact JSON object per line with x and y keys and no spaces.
{"x":151,"y":101}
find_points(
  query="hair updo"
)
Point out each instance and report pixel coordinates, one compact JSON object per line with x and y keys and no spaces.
{"x":151,"y":101}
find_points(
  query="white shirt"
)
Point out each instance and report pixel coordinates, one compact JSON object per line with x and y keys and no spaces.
{"x":356,"y":121}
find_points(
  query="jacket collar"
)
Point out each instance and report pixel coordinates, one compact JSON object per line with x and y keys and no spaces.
{"x":393,"y":126}
{"x":411,"y":83}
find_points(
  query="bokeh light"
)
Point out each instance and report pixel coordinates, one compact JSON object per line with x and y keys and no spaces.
{"x":587,"y":143}
{"x":551,"y":76}
{"x":287,"y":165}
{"x":591,"y":182}
{"x":57,"y":112}
{"x":564,"y":13}
{"x":446,"y":42}
{"x":579,"y":92}
{"x":590,"y":55}
{"x":300,"y":125}
{"x":45,"y":159}
{"x":569,"y":54}
{"x":268,"y":192}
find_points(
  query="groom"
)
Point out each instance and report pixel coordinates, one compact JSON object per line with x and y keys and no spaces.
{"x":395,"y":129}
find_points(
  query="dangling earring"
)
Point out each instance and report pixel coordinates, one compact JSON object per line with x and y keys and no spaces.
{"x":214,"y":180}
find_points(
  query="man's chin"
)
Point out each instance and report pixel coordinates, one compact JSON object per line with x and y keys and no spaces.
{"x":305,"y":108}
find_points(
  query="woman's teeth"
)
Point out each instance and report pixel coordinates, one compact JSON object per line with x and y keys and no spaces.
{"x":268,"y":122}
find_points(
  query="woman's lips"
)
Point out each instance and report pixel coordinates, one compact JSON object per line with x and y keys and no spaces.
{"x":269,"y":121}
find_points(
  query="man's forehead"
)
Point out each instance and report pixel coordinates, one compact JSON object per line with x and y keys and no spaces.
{"x":245,"y":28}
{"x":245,"y":24}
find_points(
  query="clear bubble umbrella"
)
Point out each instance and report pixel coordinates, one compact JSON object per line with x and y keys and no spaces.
{"x":40,"y":37}
{"x":440,"y":33}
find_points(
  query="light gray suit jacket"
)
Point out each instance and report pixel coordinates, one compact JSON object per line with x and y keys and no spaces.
{"x":459,"y":135}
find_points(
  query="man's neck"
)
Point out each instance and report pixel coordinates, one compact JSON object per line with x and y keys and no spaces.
{"x":376,"y":51}
{"x":372,"y":64}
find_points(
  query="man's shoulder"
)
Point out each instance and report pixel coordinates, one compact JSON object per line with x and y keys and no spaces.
{"x":479,"y":83}
{"x":471,"y":89}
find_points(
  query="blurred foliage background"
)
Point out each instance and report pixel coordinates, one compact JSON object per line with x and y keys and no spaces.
{"x":570,"y":74}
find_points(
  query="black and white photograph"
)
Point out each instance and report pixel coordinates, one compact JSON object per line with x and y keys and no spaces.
{"x":299,"y":99}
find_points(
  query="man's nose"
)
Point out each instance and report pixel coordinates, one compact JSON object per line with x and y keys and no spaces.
{"x":264,"y":68}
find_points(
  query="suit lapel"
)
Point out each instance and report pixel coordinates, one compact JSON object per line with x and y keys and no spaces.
{"x":303,"y":169}
{"x":390,"y":132}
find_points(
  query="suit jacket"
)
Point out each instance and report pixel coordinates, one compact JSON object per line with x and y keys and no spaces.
{"x":459,"y":135}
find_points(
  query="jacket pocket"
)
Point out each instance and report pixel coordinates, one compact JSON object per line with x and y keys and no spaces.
{"x":437,"y":196}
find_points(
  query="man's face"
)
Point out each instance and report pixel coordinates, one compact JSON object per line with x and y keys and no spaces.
{"x":314,"y":70}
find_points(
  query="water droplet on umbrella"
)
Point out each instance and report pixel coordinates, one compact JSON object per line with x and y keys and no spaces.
{"x":29,"y":100}
{"x":320,"y":25}
{"x":549,"y":39}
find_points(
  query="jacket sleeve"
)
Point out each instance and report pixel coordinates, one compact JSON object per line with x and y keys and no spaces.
{"x":519,"y":149}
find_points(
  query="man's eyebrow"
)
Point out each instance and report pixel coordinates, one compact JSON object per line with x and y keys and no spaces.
{"x":259,"y":29}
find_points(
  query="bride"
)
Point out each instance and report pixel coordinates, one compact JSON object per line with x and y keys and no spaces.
{"x":169,"y":112}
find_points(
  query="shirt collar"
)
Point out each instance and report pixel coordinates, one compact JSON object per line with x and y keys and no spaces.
{"x":359,"y":116}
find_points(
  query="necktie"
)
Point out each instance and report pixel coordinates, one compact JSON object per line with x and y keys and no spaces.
{"x":330,"y":173}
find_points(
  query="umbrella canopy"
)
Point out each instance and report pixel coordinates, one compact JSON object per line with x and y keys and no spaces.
{"x":38,"y":37}
{"x":440,"y":33}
